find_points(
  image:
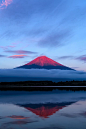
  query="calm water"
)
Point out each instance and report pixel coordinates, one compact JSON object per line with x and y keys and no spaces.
{"x":43,"y":110}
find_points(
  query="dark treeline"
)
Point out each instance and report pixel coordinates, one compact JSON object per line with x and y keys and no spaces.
{"x":27,"y":85}
{"x":44,"y":83}
{"x":42,"y":88}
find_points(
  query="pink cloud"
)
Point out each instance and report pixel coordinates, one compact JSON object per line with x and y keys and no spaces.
{"x":82,"y":58}
{"x":17,"y":56}
{"x":7,"y":47}
{"x":5,"y":3}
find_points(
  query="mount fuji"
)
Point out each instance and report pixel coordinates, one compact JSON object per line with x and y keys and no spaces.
{"x":44,"y":62}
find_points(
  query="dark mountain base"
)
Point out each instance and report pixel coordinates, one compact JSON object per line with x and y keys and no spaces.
{"x":44,"y":62}
{"x":44,"y":67}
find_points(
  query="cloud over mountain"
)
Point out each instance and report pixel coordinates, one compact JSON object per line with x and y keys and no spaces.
{"x":42,"y":73}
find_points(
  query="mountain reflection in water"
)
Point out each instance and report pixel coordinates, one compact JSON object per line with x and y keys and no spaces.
{"x":50,"y":110}
{"x":45,"y":110}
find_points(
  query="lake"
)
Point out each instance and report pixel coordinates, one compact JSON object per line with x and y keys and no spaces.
{"x":43,"y":110}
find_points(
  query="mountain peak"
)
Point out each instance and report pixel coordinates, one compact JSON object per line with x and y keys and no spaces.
{"x":44,"y":61}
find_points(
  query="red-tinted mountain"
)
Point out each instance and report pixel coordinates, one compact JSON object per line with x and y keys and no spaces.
{"x":45,"y":110}
{"x":44,"y":62}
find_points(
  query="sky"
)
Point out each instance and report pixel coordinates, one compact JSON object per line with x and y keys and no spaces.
{"x":54,"y":28}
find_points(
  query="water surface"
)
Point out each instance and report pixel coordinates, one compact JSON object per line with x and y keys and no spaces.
{"x":43,"y":110}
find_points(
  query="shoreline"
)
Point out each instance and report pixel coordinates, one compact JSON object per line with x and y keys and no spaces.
{"x":42,"y":88}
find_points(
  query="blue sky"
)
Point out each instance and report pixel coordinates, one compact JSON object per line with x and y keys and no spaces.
{"x":31,"y":28}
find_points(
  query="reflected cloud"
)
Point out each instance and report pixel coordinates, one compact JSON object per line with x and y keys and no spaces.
{"x":17,"y":117}
{"x":1,"y":117}
{"x":69,"y":115}
{"x":83,"y":114}
{"x":51,"y":128}
{"x":73,"y":115}
{"x":20,"y":122}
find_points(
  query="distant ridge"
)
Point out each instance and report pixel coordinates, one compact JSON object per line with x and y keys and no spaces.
{"x":44,"y":62}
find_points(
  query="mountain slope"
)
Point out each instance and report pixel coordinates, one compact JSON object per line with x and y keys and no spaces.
{"x":44,"y":62}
